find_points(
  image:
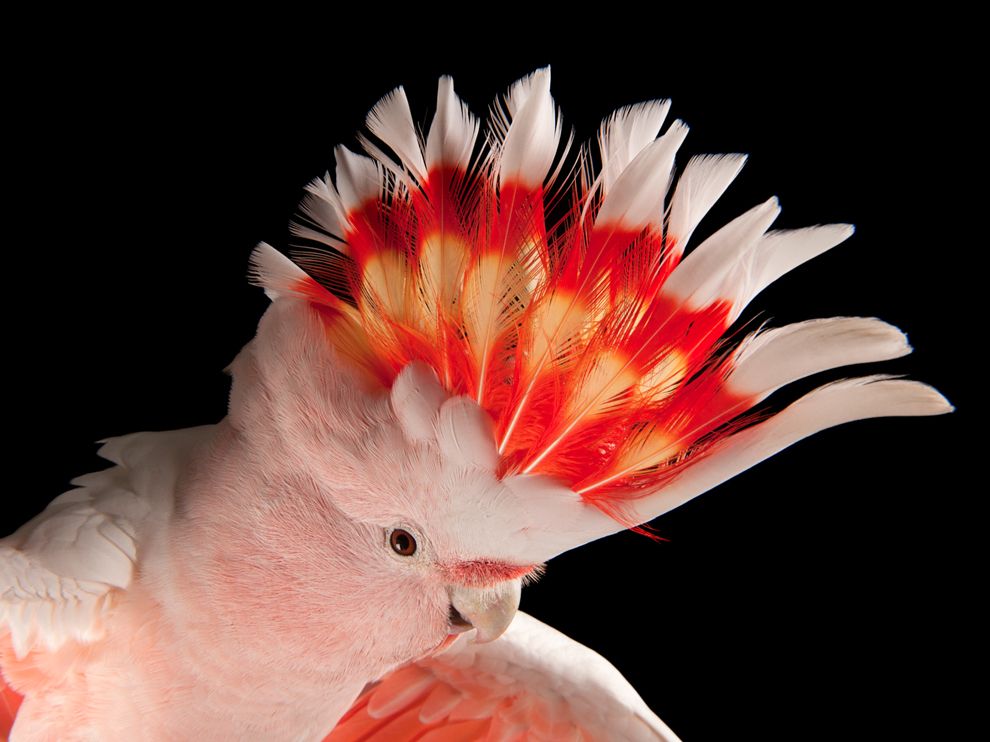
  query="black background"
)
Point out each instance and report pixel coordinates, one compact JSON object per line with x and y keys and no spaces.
{"x":821,"y":594}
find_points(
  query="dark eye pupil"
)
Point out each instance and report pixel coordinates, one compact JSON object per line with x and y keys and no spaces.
{"x":402,"y":542}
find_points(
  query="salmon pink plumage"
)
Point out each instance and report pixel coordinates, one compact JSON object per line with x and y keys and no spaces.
{"x":488,"y":348}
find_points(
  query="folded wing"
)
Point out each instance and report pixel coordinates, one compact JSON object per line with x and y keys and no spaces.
{"x":59,"y":572}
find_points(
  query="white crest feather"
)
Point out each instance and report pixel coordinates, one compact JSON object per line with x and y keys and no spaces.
{"x":453,"y":131}
{"x":416,"y":398}
{"x":391,"y":121}
{"x":775,"y":254}
{"x":359,"y":178}
{"x":703,"y":181}
{"x":465,"y":434}
{"x":699,"y":279}
{"x":766,"y":361}
{"x":830,"y":405}
{"x":636,"y":198}
{"x":625,"y":134}
{"x":322,"y":205}
{"x":532,"y":133}
{"x":273,"y":271}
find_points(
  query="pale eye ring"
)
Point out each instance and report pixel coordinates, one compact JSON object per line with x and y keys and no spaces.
{"x":402,"y":542}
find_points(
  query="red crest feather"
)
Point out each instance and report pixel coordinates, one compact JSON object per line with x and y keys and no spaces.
{"x":592,"y":341}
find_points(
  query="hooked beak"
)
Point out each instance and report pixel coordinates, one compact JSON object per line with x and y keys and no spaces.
{"x":489,"y":610}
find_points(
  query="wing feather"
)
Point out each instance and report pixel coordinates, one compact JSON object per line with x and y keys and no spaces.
{"x":533,"y":683}
{"x":60,"y":571}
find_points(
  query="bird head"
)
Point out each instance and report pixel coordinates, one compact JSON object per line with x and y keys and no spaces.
{"x":455,"y":389}
{"x":387,"y":503}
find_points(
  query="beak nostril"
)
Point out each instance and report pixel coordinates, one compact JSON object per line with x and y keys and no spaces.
{"x":457,"y":620}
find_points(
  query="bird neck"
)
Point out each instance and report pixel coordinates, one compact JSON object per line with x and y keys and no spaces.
{"x":247,"y":622}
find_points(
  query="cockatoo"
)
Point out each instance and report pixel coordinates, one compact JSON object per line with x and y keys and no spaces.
{"x":487,"y":353}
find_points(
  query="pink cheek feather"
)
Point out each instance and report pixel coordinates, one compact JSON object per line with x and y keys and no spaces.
{"x":484,"y":572}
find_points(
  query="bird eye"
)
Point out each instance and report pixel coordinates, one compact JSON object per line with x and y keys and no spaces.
{"x":402,"y":542}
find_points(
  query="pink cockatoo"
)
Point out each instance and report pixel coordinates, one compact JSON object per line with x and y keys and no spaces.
{"x":490,"y":353}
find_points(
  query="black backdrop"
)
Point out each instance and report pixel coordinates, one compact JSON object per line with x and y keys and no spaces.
{"x":816,"y":595}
